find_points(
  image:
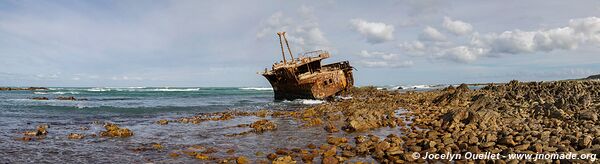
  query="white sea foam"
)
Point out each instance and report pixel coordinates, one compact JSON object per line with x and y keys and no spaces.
{"x":420,"y":86}
{"x":310,"y":102}
{"x":98,"y":90}
{"x":55,"y":93}
{"x":174,"y":89}
{"x":343,"y":97}
{"x":258,"y":88}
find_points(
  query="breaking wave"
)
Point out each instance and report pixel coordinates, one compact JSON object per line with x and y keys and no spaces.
{"x":55,"y":93}
{"x":311,"y":102}
{"x":258,"y":88}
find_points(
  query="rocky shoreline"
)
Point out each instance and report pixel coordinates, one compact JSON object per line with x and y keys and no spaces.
{"x":515,"y":117}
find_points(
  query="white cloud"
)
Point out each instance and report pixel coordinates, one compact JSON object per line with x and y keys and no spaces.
{"x":456,"y":26}
{"x":303,"y":32}
{"x":386,"y":64}
{"x":374,"y":32}
{"x":432,"y":34}
{"x":577,"y":32}
{"x":559,"y":38}
{"x":378,"y":59}
{"x":416,"y":47}
{"x":511,"y":42}
{"x":378,"y":54}
{"x":463,"y":54}
{"x":588,"y":27}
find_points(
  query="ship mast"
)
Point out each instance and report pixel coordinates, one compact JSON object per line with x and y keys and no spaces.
{"x":288,"y":47}
{"x":281,"y":45}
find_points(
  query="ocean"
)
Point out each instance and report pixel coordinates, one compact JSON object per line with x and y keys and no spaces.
{"x":136,"y":108}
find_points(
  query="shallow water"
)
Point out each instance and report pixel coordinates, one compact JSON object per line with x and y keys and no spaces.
{"x":138,"y":109}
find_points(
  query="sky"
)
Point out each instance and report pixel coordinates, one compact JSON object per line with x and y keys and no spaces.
{"x":225,"y":43}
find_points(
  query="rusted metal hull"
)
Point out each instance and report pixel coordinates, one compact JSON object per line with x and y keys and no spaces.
{"x":305,"y":78}
{"x":332,"y":79}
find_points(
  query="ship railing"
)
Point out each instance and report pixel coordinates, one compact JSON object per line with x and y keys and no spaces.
{"x":315,"y":53}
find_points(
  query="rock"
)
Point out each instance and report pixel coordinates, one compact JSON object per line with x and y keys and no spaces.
{"x":329,"y":127}
{"x":408,"y":156}
{"x":382,"y":146}
{"x":330,"y":160}
{"x":284,"y":160}
{"x":41,"y":130}
{"x":508,"y":141}
{"x":313,"y":122}
{"x":202,"y":157}
{"x":113,"y":130}
{"x":586,"y":142}
{"x":308,"y":158}
{"x":263,"y":125}
{"x":330,"y":152}
{"x":242,"y":160}
{"x":76,"y":136}
{"x":70,"y":98}
{"x":21,"y":89}
{"x":311,"y":146}
{"x":157,"y":146}
{"x":282,"y":151}
{"x":262,"y":113}
{"x":348,"y":154}
{"x":522,"y":147}
{"x":40,"y":98}
{"x":272,"y":156}
{"x":162,"y":122}
{"x":173,"y":155}
{"x":230,"y":151}
{"x":588,"y":115}
{"x":336,"y":140}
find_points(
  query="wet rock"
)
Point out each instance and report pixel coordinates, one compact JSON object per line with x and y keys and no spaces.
{"x":313,"y":122}
{"x":230,"y":151}
{"x":157,"y":146}
{"x":162,"y":122}
{"x":262,"y":113}
{"x":21,"y":89}
{"x":263,"y":125}
{"x":348,"y":154}
{"x":40,"y":98}
{"x":242,"y":160}
{"x":330,"y":127}
{"x":76,"y":136}
{"x":284,"y":160}
{"x":272,"y":156}
{"x":70,"y":98}
{"x":308,"y":158}
{"x":330,"y":160}
{"x":282,"y":151}
{"x":202,"y":157}
{"x":330,"y":152}
{"x":113,"y":130}
{"x":336,"y":140}
{"x":174,"y":155}
{"x":41,"y":130}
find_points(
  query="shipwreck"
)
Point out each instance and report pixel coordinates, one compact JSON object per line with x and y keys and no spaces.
{"x":305,"y":78}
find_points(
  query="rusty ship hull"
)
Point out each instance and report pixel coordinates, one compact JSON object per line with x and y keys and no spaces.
{"x":305,"y":78}
{"x":326,"y":83}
